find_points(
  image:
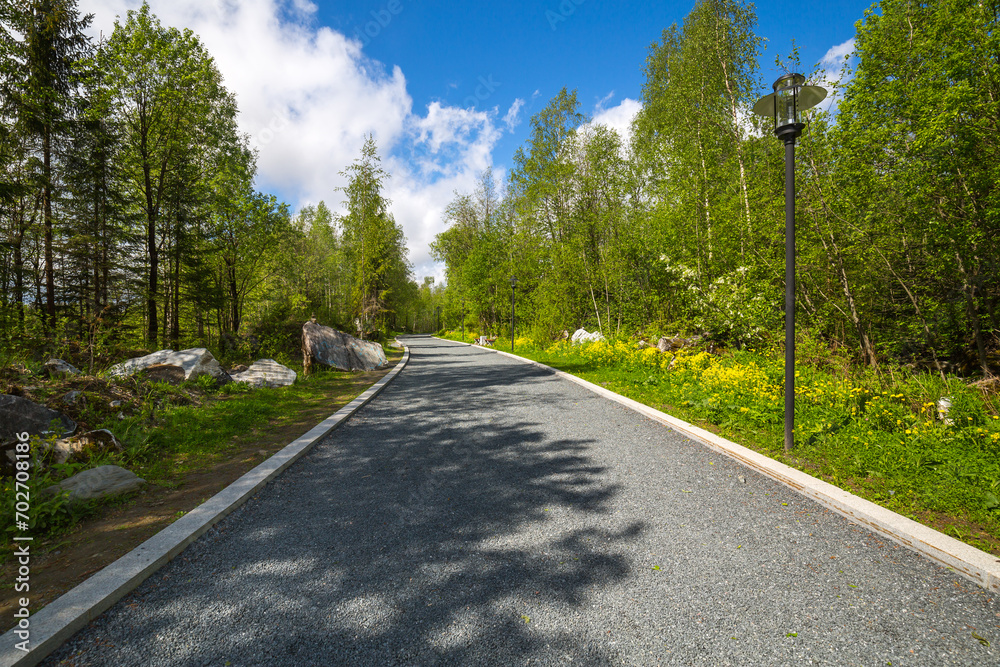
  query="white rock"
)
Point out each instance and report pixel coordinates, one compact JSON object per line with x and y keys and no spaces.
{"x":581,"y":336}
{"x":267,"y":373}
{"x":194,"y":362}
{"x":57,"y":368}
{"x":81,"y":447}
{"x":339,"y":350}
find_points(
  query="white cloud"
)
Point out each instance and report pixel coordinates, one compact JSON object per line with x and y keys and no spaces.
{"x":618,"y":118}
{"x":835,"y":56}
{"x":511,"y":119}
{"x":835,"y":72}
{"x":308,"y":95}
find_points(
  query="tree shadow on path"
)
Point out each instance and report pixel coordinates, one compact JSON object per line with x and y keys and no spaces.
{"x":442,"y":524}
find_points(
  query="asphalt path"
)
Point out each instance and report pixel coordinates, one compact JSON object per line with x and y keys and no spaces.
{"x":482,"y":511}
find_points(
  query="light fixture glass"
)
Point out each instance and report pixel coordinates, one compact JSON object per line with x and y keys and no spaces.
{"x":786,"y":104}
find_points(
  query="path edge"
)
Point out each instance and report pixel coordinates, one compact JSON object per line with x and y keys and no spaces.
{"x":974,"y":564}
{"x":67,"y":614}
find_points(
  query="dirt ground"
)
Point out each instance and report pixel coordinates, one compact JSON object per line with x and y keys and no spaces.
{"x":61,"y":562}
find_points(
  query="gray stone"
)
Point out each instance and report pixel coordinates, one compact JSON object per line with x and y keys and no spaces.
{"x":57,"y":368}
{"x":193,"y":362}
{"x":71,"y":397}
{"x":339,"y":350}
{"x":642,"y":345}
{"x":19,"y":415}
{"x":267,"y":373}
{"x":117,"y":404}
{"x":671,"y":344}
{"x":97,"y":483}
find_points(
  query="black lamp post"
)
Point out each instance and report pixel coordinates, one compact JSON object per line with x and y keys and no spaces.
{"x":513,"y":284}
{"x":785,"y":105}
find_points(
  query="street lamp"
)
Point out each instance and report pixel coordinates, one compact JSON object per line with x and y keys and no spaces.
{"x":513,"y":283}
{"x":785,"y":105}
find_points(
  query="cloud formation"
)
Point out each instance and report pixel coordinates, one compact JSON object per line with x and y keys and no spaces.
{"x":835,"y":72}
{"x":308,"y":96}
{"x":619,"y":117}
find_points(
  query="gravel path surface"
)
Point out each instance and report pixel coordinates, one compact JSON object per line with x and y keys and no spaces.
{"x":481,"y":511}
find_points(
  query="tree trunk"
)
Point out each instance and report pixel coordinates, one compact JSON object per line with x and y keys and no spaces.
{"x":50,"y":284}
{"x":233,"y":295}
{"x":973,"y":313}
{"x":154,"y":263}
{"x":175,"y":328}
{"x":837,"y":259}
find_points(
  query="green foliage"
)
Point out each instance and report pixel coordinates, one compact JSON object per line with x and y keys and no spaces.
{"x":374,"y":244}
{"x":47,"y":513}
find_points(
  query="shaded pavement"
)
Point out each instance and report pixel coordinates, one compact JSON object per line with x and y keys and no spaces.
{"x":481,"y":511}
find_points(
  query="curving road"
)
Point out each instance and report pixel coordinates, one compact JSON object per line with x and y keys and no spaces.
{"x":481,"y":511}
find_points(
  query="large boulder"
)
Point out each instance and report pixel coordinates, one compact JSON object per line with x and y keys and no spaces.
{"x":581,"y":336}
{"x":59,"y":369}
{"x":267,"y":373}
{"x":192,"y":363}
{"x":19,"y":415}
{"x":133,"y":366}
{"x":96,"y":483}
{"x":339,"y":350}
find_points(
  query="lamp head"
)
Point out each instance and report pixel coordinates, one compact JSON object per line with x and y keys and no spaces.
{"x":786,"y":104}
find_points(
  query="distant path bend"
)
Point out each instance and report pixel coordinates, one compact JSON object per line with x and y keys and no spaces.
{"x":482,"y":511}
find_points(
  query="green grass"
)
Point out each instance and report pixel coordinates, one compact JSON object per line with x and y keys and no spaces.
{"x":875,"y":434}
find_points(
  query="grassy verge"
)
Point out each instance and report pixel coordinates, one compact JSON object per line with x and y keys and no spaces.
{"x":875,"y":434}
{"x":169,"y":431}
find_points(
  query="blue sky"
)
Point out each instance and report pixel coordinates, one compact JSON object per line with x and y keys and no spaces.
{"x":446,"y":88}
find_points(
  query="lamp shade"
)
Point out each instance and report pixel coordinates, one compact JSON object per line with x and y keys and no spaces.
{"x":786,"y":104}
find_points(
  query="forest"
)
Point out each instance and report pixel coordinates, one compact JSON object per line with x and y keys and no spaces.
{"x":128,"y":214}
{"x":129,"y":218}
{"x":680,"y":228}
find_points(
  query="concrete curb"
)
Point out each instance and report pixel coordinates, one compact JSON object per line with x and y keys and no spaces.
{"x":62,"y":618}
{"x":978,"y":566}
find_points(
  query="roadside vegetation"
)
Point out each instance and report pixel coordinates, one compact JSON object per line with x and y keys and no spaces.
{"x":678,"y":228}
{"x":167,"y":431}
{"x":877,"y":434}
